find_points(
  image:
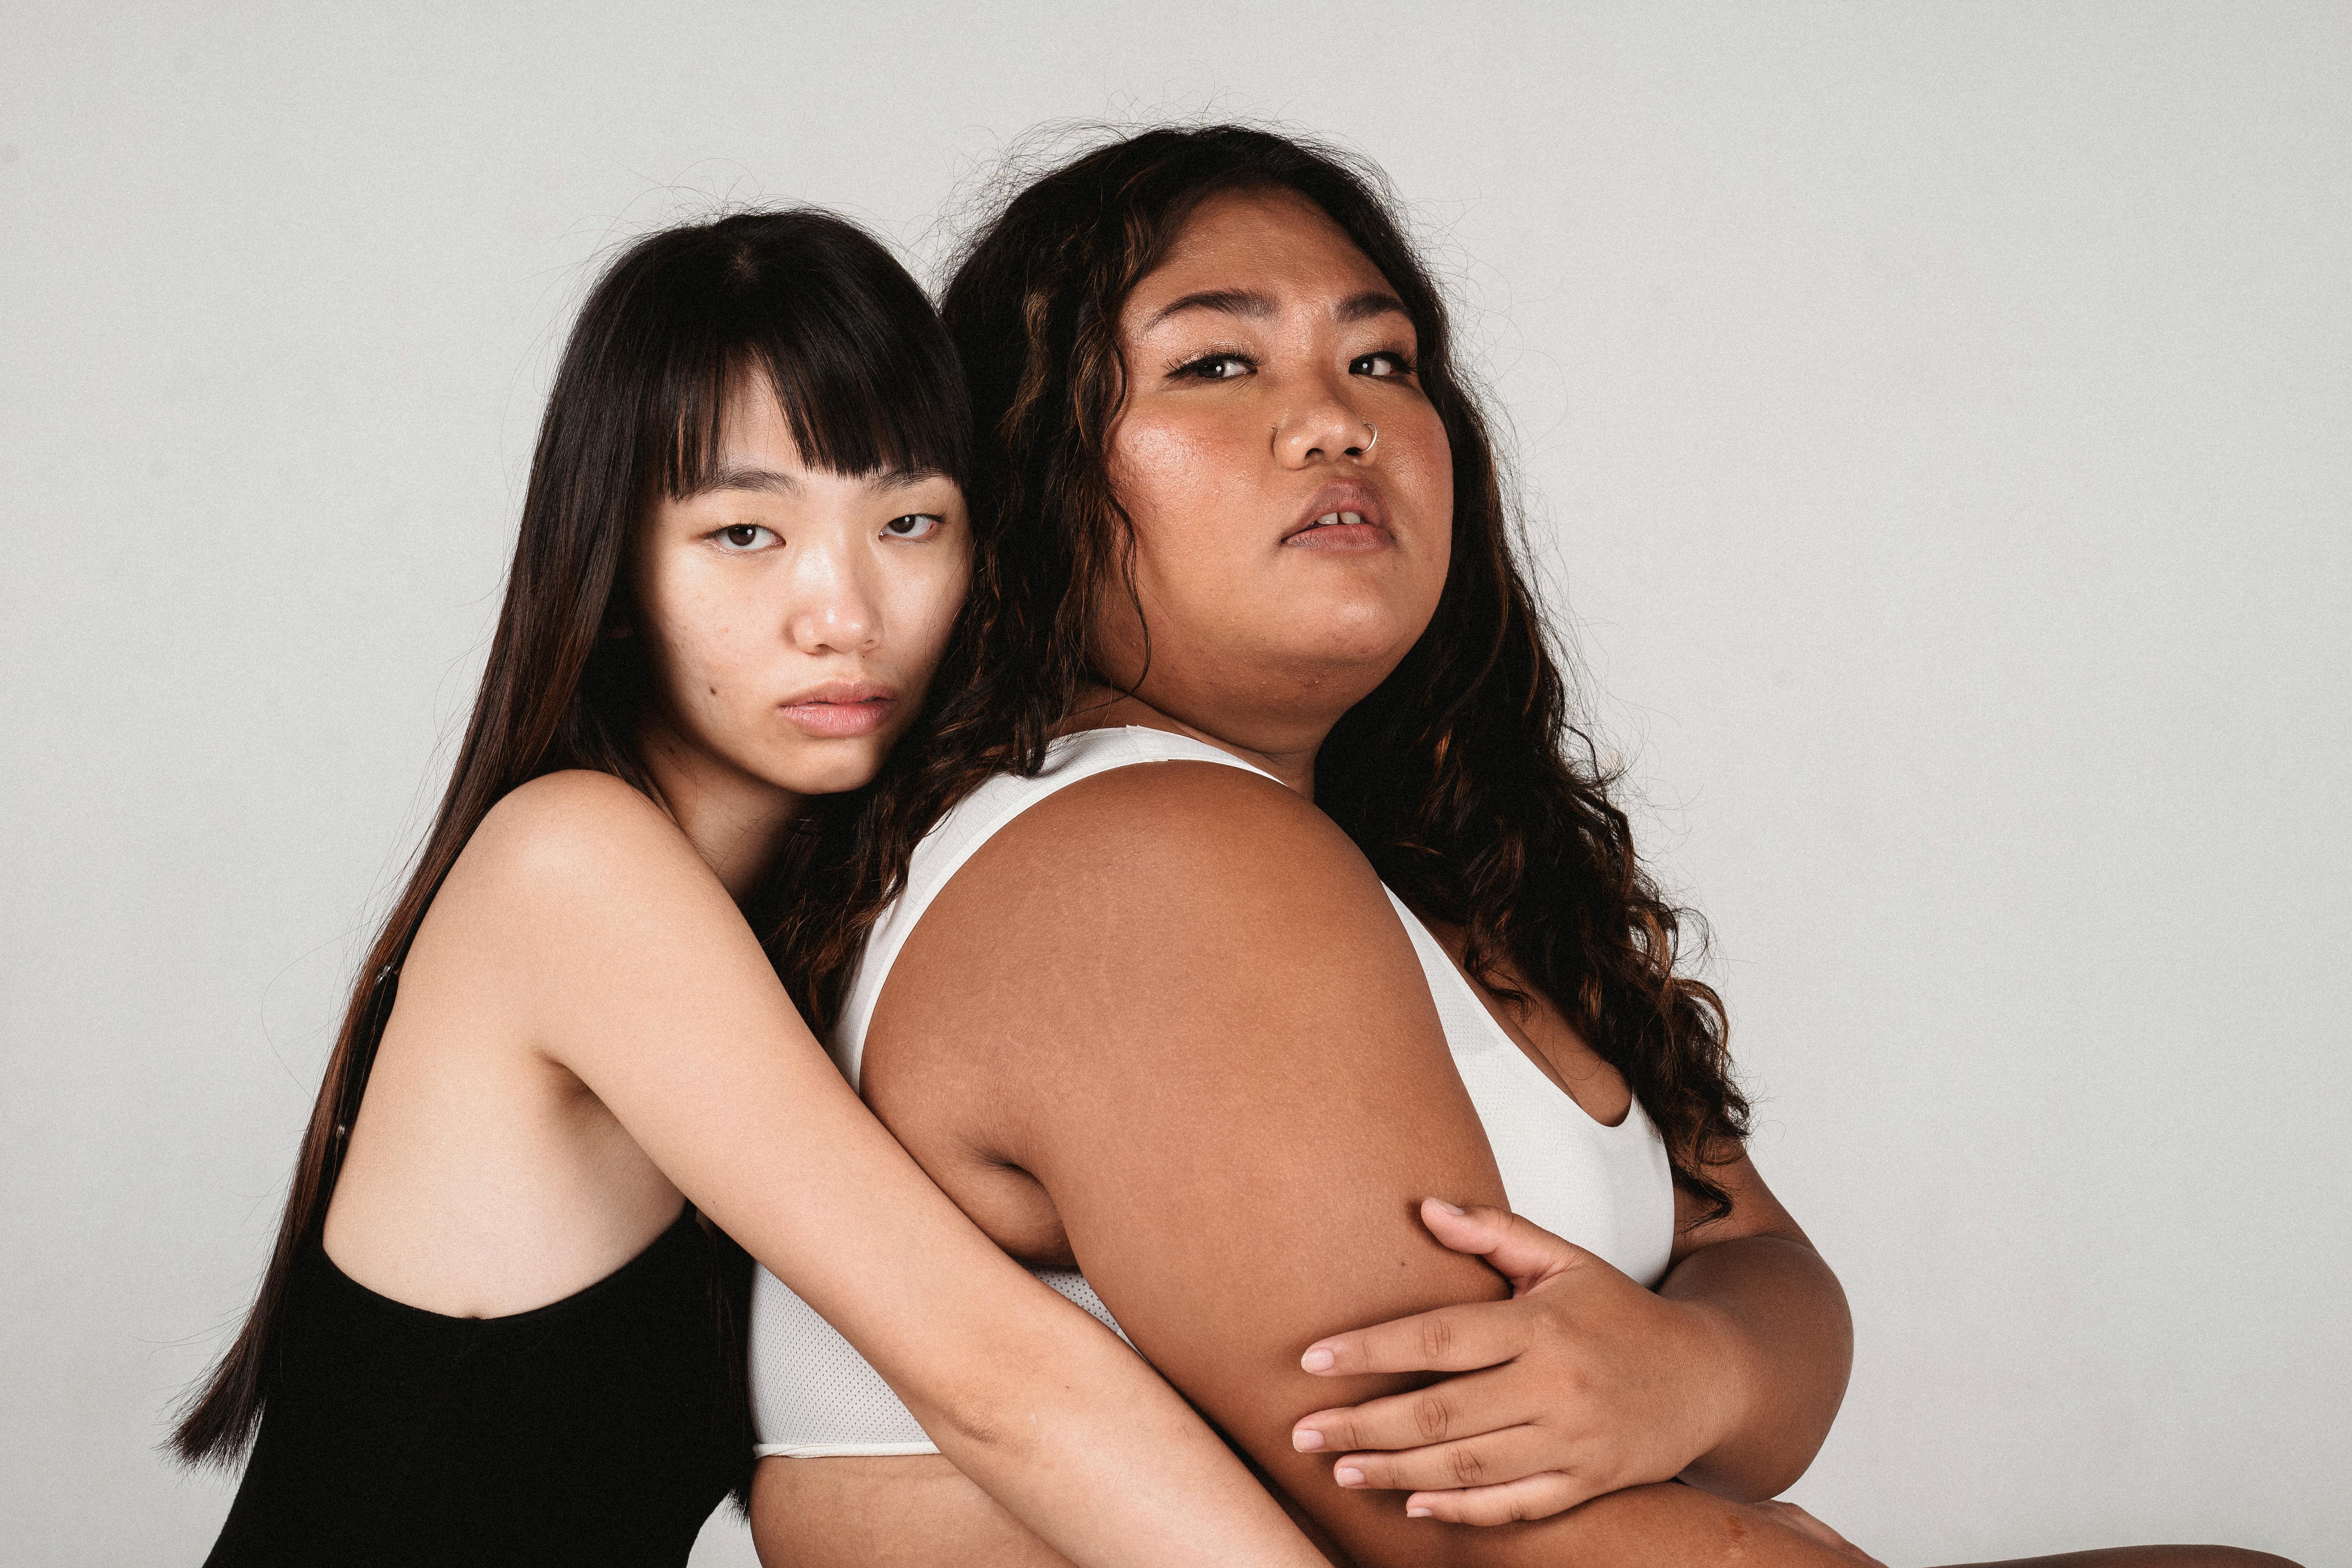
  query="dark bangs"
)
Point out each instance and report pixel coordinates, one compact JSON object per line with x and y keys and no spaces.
{"x":814,"y":307}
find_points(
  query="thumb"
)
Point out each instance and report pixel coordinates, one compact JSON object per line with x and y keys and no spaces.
{"x":1519,"y":1250}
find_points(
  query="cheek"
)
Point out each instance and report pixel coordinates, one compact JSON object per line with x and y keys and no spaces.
{"x":921,"y":613}
{"x":1186,"y":473}
{"x":1150,"y":461}
{"x":693,"y":635}
{"x":1189,"y":486}
{"x":1422,"y":471}
{"x":1423,"y":462}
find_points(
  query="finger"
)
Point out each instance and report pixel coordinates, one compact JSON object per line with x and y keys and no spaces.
{"x":1491,"y":1459}
{"x":1536,"y":1497}
{"x":1518,"y":1250}
{"x":1452,"y":1339}
{"x":1458,"y":1408}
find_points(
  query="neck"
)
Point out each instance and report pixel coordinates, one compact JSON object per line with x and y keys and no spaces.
{"x":1289,"y":756}
{"x":735,"y":821}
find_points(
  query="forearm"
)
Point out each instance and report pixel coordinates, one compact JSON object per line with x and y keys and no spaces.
{"x":1664,"y":1524}
{"x":1786,"y":1343}
{"x":1080,"y":1440}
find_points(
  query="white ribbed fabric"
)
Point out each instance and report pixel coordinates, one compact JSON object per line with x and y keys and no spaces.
{"x":1608,"y":1189}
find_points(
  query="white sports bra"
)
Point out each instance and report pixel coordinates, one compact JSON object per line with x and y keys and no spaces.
{"x":1608,"y":1189}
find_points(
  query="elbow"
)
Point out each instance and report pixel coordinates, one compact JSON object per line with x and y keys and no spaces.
{"x":994,"y":1410}
{"x":1766,"y":1456}
{"x":1029,"y":1392}
{"x":974,"y":1426}
{"x":975,"y":1417}
{"x":1762,"y":1464}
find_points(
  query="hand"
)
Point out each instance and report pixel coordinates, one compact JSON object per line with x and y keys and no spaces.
{"x":1583,"y":1383}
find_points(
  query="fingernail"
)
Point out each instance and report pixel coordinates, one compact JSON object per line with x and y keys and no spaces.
{"x":1349,"y":1476}
{"x":1449,"y":1208}
{"x":1317,"y":1360}
{"x":1412,"y":1512}
{"x":1306,"y":1439}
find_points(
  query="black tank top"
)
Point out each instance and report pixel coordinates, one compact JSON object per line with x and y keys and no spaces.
{"x":601,"y":1428}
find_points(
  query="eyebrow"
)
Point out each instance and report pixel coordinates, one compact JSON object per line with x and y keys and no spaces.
{"x":739,"y":477}
{"x":1227,"y":301}
{"x":1248,"y":303}
{"x":772,"y":481}
{"x":1371,"y":302}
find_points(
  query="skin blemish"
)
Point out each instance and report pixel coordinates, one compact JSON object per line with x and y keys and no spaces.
{"x":1734,"y":1534}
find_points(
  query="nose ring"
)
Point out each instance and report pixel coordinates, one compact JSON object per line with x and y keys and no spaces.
{"x":1363,"y":451}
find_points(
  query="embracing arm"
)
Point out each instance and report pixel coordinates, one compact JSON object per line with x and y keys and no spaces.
{"x":1583,"y":1383}
{"x":1208,"y":1040}
{"x":637,"y":974}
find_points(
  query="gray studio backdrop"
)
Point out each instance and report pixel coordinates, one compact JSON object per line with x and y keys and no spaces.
{"x":1934,"y":419}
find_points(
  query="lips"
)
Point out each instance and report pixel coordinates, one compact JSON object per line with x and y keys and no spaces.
{"x":1347,"y":516}
{"x":840,"y":709}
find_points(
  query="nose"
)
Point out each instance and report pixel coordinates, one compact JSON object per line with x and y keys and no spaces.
{"x":833,"y":608}
{"x":1322,"y":427}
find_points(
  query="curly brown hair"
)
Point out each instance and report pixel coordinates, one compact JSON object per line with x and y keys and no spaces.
{"x":1462,"y":777}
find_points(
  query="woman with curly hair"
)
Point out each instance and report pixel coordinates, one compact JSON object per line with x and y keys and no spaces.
{"x":1257,"y":887}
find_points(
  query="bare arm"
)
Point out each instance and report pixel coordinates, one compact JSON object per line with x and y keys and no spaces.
{"x":1785,"y":1336}
{"x":1176,"y":1000}
{"x":1585,"y":1382}
{"x":634,"y":971}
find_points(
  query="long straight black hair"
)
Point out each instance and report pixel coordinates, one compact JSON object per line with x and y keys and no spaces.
{"x":866,"y":378}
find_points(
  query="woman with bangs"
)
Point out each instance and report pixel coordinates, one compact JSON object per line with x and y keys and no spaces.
{"x":1259,"y":914}
{"x":502,"y":1323}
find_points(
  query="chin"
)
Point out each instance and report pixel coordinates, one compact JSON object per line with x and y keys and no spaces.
{"x":835,"y":768}
{"x":1349,"y":636}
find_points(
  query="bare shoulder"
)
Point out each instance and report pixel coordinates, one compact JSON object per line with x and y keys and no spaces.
{"x":564,"y":823}
{"x":569,"y":836}
{"x":562,"y":872}
{"x":1169,"y":847}
{"x":1160,"y":914}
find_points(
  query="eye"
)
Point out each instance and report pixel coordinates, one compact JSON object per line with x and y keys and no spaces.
{"x":914,"y":525}
{"x":1387,"y":362}
{"x":1214,"y":367}
{"x":738,"y":538}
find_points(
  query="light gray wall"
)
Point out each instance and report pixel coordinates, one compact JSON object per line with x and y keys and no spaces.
{"x":1935,"y":418}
